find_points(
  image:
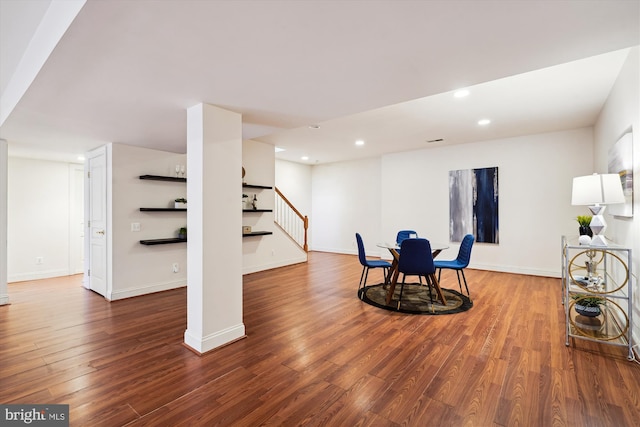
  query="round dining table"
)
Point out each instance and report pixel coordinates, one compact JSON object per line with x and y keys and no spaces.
{"x":392,"y":277}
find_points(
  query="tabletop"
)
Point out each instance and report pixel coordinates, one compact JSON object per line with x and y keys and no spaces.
{"x":435,"y":246}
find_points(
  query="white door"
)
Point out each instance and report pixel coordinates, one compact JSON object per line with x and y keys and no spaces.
{"x":97,"y":222}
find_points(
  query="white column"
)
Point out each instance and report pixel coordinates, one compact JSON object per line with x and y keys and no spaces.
{"x":214,"y":228}
{"x":4,"y":166}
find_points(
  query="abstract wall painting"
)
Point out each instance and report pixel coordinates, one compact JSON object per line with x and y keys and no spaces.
{"x":473,"y":204}
{"x":621,"y":162}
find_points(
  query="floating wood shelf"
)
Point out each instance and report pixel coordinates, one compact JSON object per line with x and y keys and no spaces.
{"x":162,"y":241}
{"x":257,"y":210}
{"x":163,"y":178}
{"x":163,"y":209}
{"x":264,"y":187}
{"x":257,"y":233}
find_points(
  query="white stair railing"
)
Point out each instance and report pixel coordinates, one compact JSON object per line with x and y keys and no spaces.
{"x":291,"y":220}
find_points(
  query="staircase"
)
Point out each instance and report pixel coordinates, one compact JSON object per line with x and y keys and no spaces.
{"x":291,"y":220}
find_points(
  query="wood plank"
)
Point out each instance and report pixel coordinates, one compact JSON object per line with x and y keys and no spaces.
{"x":314,"y":355}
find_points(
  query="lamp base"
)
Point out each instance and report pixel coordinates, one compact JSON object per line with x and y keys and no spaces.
{"x":599,"y":240}
{"x":598,"y":225}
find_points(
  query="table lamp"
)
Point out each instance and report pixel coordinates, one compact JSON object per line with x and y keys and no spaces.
{"x":594,"y":191}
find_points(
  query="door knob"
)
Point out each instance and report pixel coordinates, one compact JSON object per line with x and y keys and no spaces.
{"x":100,"y":232}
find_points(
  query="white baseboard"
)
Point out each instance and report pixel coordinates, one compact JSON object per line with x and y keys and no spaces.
{"x":516,"y":270}
{"x":147,"y":289}
{"x":215,"y":340}
{"x":37,"y":275}
{"x":269,"y":266}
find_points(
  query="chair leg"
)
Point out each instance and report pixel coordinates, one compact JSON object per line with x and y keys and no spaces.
{"x":362,"y":283}
{"x":430,"y":285}
{"x":459,"y":282}
{"x":465,"y":283}
{"x":401,"y":289}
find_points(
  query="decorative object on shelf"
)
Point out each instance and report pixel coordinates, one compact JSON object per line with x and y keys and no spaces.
{"x":243,"y":173}
{"x":587,"y":305}
{"x":246,"y":229}
{"x":254,"y":202}
{"x":584,"y":230}
{"x":244,"y":201}
{"x":182,"y":233}
{"x":180,"y":203}
{"x":594,"y":191}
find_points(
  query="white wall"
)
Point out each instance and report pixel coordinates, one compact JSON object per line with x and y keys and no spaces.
{"x":294,"y":181}
{"x":4,"y":293}
{"x":346,"y":200}
{"x":40,"y":203}
{"x":410,"y":190}
{"x":271,"y":251}
{"x":620,"y":114}
{"x":139,"y":269}
{"x":535,"y":174}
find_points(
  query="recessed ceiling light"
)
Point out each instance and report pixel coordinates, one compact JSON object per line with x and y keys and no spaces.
{"x":359,"y":142}
{"x":278,"y":149}
{"x":81,"y":158}
{"x":314,"y":126}
{"x":484,"y":122}
{"x":305,"y":157}
{"x":461,"y":93}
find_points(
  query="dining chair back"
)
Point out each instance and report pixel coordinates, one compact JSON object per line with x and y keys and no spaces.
{"x":405,"y":234}
{"x":460,"y":263}
{"x":416,"y":259}
{"x":369,"y":263}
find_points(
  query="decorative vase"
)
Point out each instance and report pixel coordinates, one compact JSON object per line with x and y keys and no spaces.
{"x":585,"y":230}
{"x":584,"y":240}
{"x":587,"y":310}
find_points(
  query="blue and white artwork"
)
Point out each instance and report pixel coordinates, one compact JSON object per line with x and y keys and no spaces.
{"x":621,"y":162}
{"x":473,"y":204}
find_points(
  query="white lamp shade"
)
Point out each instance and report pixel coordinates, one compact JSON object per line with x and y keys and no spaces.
{"x":604,"y":189}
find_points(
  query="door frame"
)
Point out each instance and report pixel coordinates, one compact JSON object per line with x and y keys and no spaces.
{"x":76,"y":218}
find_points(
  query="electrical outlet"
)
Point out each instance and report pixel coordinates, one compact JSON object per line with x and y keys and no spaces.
{"x":135,"y":226}
{"x":176,"y":267}
{"x":39,"y":260}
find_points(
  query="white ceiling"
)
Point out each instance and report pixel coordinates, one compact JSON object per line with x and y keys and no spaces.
{"x":381,"y":71}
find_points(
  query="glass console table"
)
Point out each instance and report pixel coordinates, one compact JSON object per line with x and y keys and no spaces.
{"x":597,"y":293}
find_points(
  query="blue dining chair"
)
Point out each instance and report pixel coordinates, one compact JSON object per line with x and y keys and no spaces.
{"x":460,"y":263}
{"x":405,"y":234}
{"x":369,"y":263}
{"x":417,"y":260}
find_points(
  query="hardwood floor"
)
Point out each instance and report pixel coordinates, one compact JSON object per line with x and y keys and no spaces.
{"x":314,"y":355}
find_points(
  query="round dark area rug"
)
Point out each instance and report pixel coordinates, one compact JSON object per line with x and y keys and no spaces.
{"x":415,"y":299}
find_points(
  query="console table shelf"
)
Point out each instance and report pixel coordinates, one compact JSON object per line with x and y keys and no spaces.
{"x":162,"y":241}
{"x":597,"y":294}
